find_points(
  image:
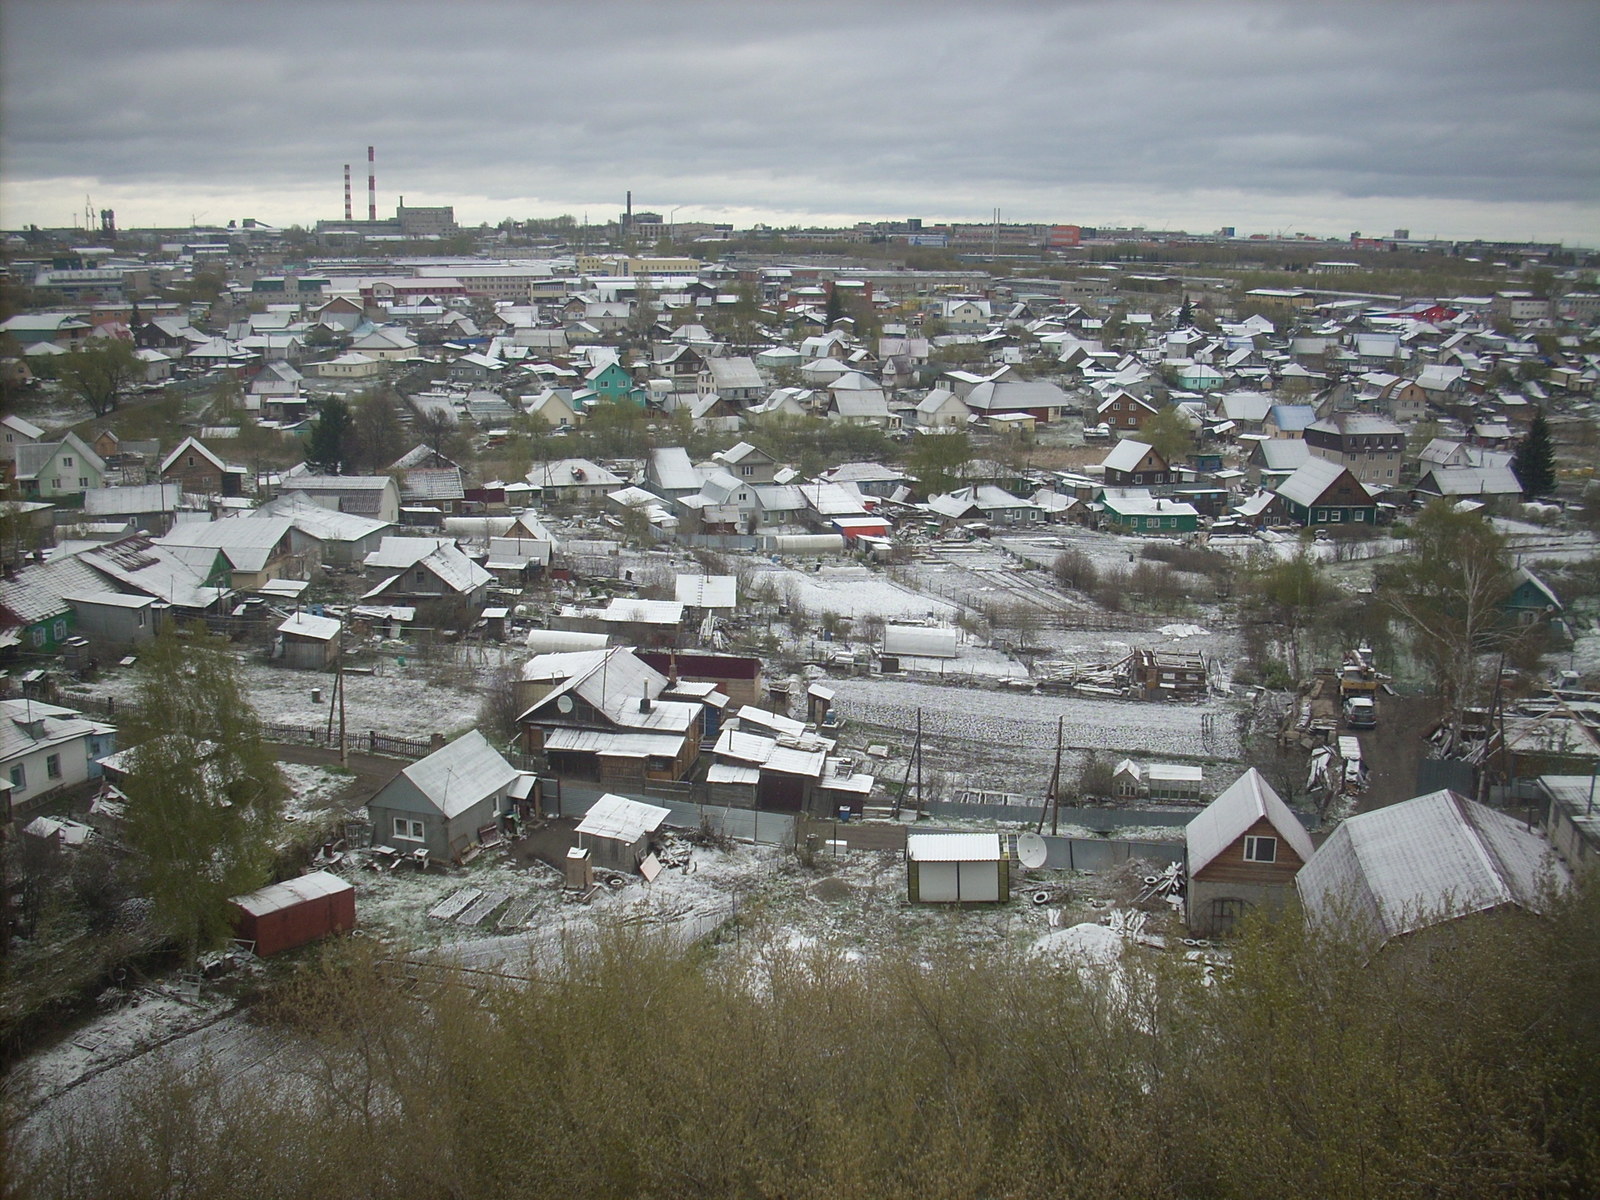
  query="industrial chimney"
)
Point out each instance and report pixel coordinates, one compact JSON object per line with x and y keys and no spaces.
{"x":372,"y":185}
{"x":347,"y":191}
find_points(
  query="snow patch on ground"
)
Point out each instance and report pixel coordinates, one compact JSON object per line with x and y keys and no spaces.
{"x":1087,"y":944}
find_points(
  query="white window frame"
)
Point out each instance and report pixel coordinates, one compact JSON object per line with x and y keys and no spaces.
{"x":52,"y":766}
{"x":409,"y":829}
{"x":1260,"y":849}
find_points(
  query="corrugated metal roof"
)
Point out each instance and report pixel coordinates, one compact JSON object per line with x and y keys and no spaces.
{"x":278,"y":896}
{"x":1411,"y":865}
{"x":954,"y":847}
{"x":624,"y":820}
{"x":311,"y":626}
{"x":459,"y":775}
{"x":616,"y":745}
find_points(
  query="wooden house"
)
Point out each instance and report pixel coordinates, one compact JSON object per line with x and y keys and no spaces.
{"x":1135,"y":510}
{"x":1322,"y":492}
{"x":603,"y":715}
{"x":1244,"y":850}
{"x":200,"y":471}
{"x":1135,"y":464}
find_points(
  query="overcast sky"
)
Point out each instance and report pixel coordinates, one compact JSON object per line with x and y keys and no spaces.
{"x":1450,"y":119}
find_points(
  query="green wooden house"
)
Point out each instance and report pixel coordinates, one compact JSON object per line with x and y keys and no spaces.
{"x":1135,"y":510}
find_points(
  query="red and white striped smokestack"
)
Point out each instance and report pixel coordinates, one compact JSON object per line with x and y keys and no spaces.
{"x":372,"y":186}
{"x":347,"y":191}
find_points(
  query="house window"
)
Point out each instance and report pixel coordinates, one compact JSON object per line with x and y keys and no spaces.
{"x":407,"y":830}
{"x":421,"y":576}
{"x":19,"y":777}
{"x":83,"y":481}
{"x":52,"y":766}
{"x":747,"y":470}
{"x":1261,"y":849}
{"x":66,"y":460}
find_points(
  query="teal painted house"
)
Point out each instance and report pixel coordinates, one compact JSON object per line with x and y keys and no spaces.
{"x":611,"y":382}
{"x":1135,"y":510}
{"x":1531,"y":599}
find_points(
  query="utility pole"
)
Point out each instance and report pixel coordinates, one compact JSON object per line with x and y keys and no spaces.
{"x":1052,"y":799}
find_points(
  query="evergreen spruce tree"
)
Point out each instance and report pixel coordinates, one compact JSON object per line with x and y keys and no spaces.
{"x":1185,"y":314}
{"x":203,"y":789}
{"x":1534,"y":460}
{"x":329,"y":447}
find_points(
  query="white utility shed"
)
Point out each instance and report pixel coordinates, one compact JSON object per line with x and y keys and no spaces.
{"x":957,"y":868}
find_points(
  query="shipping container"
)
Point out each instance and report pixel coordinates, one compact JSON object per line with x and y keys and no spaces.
{"x":284,"y":915}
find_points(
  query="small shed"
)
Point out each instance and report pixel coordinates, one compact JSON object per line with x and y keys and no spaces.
{"x":618,"y":830}
{"x":307,"y":642}
{"x":115,"y":619}
{"x":284,"y":915}
{"x":957,"y":868}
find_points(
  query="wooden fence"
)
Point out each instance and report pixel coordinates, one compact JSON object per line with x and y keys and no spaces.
{"x":370,"y":742}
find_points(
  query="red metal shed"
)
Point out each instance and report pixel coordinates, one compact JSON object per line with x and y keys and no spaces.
{"x":284,"y":915}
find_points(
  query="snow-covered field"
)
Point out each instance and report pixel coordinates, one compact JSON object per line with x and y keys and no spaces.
{"x":999,"y":718}
{"x":410,"y":700}
{"x":849,"y":591}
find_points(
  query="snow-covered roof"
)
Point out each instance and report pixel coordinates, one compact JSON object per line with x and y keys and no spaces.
{"x":1405,"y":867}
{"x":673,"y":469}
{"x":621,"y":819}
{"x":1311,"y":479}
{"x":460,"y":774}
{"x":309,"y":625}
{"x":278,"y":896}
{"x":247,"y":542}
{"x":629,"y":743}
{"x":318,"y":521}
{"x":398,"y":553}
{"x":708,"y":591}
{"x":1126,"y":455}
{"x":1222,"y":822}
{"x":955,"y":847}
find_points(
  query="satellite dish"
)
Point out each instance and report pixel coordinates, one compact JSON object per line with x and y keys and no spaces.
{"x":564,"y":704}
{"x":1031,"y":850}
